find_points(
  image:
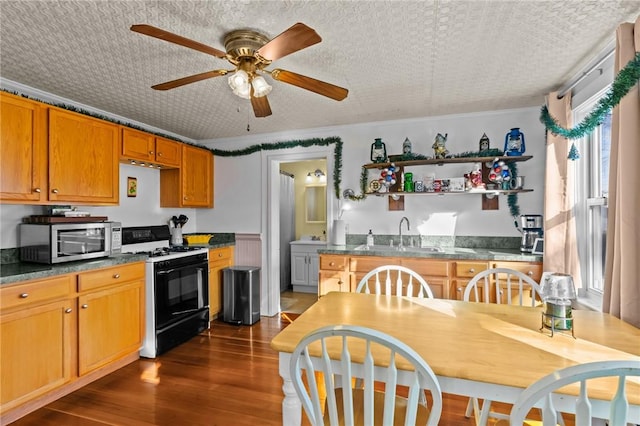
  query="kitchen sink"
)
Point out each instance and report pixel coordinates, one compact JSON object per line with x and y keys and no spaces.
{"x":391,"y":249}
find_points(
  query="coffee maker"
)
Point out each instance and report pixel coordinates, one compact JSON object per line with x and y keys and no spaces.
{"x":530,"y":225}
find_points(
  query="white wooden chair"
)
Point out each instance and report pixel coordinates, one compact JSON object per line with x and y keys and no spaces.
{"x":380,"y":281}
{"x":542,"y":392}
{"x":495,"y":285}
{"x":347,"y":405}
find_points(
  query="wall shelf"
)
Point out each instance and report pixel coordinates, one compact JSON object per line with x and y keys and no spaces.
{"x":443,"y":161}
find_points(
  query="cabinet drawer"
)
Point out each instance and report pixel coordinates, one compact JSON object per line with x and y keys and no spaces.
{"x":36,"y":291}
{"x":437,"y":268}
{"x":333,"y":263}
{"x":469,"y":269}
{"x":369,"y":263}
{"x":109,"y":276}
{"x":532,"y":269}
{"x":223,"y":253}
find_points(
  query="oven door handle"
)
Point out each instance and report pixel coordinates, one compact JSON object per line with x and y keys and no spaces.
{"x":197,"y":266}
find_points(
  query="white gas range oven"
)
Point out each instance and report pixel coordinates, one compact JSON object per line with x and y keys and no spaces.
{"x":176,"y":288}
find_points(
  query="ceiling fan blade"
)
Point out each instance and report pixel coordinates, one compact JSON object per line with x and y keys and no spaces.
{"x":297,"y":37}
{"x":186,"y":80}
{"x":174,"y":38}
{"x":261,"y":106}
{"x":320,"y":87}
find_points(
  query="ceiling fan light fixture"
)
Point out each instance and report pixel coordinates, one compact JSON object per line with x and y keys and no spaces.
{"x":238,"y":79}
{"x":260,"y":87}
{"x":243,"y":91}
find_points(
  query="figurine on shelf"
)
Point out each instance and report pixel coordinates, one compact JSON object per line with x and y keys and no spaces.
{"x":484,"y":143}
{"x":500,"y":174}
{"x":439,"y":146}
{"x":476,"y":177}
{"x":406,"y":146}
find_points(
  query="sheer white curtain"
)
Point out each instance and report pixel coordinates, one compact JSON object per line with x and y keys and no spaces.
{"x":560,"y":244}
{"x":622,"y":264}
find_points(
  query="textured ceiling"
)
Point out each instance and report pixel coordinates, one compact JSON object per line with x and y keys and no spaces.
{"x":399,"y":59}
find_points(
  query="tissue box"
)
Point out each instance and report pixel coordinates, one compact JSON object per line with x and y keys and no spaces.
{"x":456,"y":184}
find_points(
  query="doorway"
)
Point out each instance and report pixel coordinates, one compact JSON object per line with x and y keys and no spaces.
{"x":272,"y":250}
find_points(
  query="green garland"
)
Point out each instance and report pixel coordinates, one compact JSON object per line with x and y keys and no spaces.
{"x":624,"y":81}
{"x":337,"y":153}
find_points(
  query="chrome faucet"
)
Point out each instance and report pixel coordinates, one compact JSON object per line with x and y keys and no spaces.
{"x":404,"y":218}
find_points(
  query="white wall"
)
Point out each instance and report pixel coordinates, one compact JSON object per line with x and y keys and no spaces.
{"x":238,"y":207}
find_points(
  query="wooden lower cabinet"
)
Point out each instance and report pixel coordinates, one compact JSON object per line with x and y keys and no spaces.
{"x":219,"y":259}
{"x":447,"y":278}
{"x":334,"y":274}
{"x":60,"y":333}
{"x":35,"y":351}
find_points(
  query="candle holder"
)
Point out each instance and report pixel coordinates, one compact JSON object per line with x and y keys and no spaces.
{"x":557,"y":291}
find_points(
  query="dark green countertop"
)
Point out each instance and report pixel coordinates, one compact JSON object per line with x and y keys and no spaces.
{"x":456,"y":253}
{"x":23,"y":271}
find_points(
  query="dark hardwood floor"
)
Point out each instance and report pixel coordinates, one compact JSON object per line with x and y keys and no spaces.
{"x":227,"y":375}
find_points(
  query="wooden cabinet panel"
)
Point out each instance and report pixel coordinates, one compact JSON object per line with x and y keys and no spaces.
{"x":333,"y":281}
{"x":23,"y":150}
{"x":532,"y":269}
{"x":22,"y":295}
{"x":137,"y":145}
{"x":110,"y":325}
{"x":145,"y":147}
{"x":219,"y":259}
{"x":168,"y":153}
{"x":83,"y":159}
{"x":110,"y":276}
{"x":192,"y":184}
{"x":36,"y":352}
{"x":334,"y":262}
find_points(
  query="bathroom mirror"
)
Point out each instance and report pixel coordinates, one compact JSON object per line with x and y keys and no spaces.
{"x":315,"y":203}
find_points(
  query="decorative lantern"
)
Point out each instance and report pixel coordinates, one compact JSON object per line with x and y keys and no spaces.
{"x":514,"y":142}
{"x":378,"y":151}
{"x":557,"y":291}
{"x":483,"y":145}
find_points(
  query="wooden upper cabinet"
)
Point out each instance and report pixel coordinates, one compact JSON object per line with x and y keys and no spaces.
{"x":192,"y":184}
{"x":23,"y":150}
{"x":145,"y":147}
{"x":83,"y":159}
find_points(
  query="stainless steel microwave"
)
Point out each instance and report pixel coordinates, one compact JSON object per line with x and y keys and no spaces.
{"x":67,"y":242}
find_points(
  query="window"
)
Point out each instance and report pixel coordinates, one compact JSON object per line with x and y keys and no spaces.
{"x":592,"y":187}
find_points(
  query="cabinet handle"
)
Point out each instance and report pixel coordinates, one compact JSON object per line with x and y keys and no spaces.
{"x":459,"y":289}
{"x":55,"y":191}
{"x":151,"y":152}
{"x":68,"y":310}
{"x":38,"y":190}
{"x":530,"y":273}
{"x":116,"y":276}
{"x":159,"y":154}
{"x":340,"y":282}
{"x":24,"y":295}
{"x":219,"y":254}
{"x":472,"y":270}
{"x":332,"y":264}
{"x":85,"y":306}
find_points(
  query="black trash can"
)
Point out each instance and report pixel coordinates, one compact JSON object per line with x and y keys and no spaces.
{"x":241,"y":295}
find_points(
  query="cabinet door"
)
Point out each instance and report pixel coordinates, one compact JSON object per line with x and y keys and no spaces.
{"x":299,"y":267}
{"x":83,"y":159}
{"x":219,"y":259}
{"x":333,"y":281}
{"x":35,"y":351}
{"x":463,"y":272}
{"x":314,"y":268}
{"x":23,"y":150}
{"x":168,"y":153}
{"x":197,"y":177}
{"x":110,"y":325}
{"x":137,"y":145}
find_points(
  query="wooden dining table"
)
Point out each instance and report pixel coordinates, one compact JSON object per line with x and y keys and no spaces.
{"x":490,"y":351}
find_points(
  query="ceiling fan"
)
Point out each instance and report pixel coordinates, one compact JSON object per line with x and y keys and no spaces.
{"x":250,"y":52}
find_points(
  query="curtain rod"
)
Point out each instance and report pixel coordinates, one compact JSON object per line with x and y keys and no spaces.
{"x":606,"y":54}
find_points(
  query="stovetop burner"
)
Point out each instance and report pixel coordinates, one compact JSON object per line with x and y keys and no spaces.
{"x":165,"y":251}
